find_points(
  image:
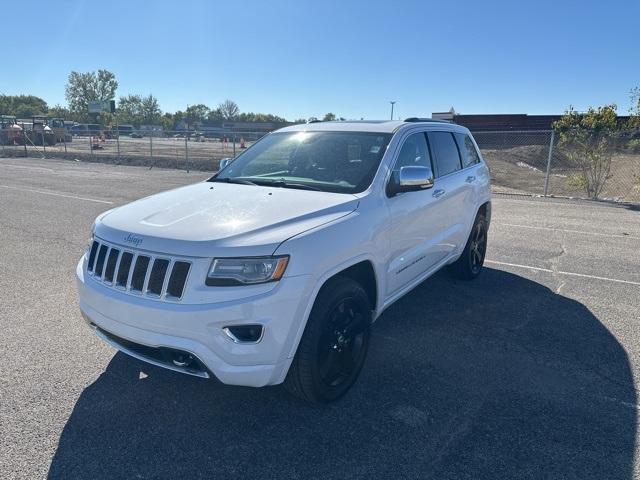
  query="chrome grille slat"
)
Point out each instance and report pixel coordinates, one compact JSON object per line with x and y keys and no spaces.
{"x":167,"y":282}
{"x":167,"y":275}
{"x":133,"y":264}
{"x":104,"y":264}
{"x":147,"y":274}
{"x":117,"y":269}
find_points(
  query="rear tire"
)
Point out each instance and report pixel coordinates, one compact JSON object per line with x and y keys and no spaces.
{"x":470,"y":263}
{"x":334,"y":344}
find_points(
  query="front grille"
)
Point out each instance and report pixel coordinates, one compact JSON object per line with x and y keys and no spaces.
{"x":123,"y":272}
{"x":111,"y":264}
{"x":138,"y":273}
{"x":156,"y":278}
{"x":102,"y":252}
{"x":177,"y":278}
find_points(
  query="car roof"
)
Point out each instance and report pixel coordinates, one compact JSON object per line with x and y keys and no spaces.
{"x":377,"y":126}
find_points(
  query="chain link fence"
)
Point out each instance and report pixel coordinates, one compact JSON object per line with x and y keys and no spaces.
{"x":181,"y":150}
{"x":521,"y":162}
{"x":604,"y":167}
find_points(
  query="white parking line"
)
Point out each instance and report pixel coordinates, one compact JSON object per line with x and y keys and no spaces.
{"x":572,"y":274}
{"x":570,"y":202}
{"x":57,"y":194}
{"x":581,"y":232}
{"x":25,"y":167}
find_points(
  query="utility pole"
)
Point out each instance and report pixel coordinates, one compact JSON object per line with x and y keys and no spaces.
{"x":392,"y":102}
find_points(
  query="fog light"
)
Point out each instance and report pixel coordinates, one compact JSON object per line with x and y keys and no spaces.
{"x":244,"y":333}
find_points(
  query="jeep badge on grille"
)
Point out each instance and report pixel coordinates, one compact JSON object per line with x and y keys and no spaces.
{"x":133,"y":239}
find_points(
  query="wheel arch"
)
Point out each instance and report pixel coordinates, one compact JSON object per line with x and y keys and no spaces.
{"x":361,"y":269}
{"x":485,"y":210}
{"x":362,"y":272}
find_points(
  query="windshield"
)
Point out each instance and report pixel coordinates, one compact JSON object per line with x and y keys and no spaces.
{"x":343,"y":162}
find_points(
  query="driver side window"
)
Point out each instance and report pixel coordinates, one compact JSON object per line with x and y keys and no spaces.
{"x":414,"y":153}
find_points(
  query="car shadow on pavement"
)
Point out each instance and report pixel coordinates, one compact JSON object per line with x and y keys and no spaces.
{"x":496,"y":378}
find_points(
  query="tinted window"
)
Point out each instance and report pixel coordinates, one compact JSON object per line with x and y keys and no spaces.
{"x":467,"y":150}
{"x":445,"y":152}
{"x":414,"y":152}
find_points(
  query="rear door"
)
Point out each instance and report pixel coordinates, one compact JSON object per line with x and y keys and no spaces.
{"x":453,"y":190}
{"x":475,"y":174}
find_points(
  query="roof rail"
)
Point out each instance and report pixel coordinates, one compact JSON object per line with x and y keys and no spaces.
{"x":417,"y":119}
{"x":314,"y":121}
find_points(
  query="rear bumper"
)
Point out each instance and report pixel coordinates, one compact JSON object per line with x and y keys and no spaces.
{"x":153,"y":331}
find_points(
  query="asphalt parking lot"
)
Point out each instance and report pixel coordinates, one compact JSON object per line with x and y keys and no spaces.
{"x":527,"y":372}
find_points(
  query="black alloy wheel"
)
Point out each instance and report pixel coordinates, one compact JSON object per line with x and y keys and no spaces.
{"x":334,"y":345}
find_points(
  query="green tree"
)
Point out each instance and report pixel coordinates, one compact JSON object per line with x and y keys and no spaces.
{"x":82,"y":88}
{"x":129,"y":109}
{"x":22,"y":106}
{"x":329,"y":117}
{"x":196,"y":114}
{"x":215,"y":115}
{"x":150,"y":110}
{"x":168,"y":121}
{"x":60,"y":111}
{"x":138,"y":110}
{"x":229,"y":110}
{"x":588,"y":140}
{"x":259,"y":117}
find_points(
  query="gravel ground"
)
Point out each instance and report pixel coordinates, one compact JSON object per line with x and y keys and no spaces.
{"x":527,"y":372}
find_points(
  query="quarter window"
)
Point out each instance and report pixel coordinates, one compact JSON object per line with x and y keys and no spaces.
{"x":445,"y":152}
{"x":467,"y":150}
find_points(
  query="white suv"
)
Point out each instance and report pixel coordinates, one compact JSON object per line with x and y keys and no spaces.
{"x":274,"y":269}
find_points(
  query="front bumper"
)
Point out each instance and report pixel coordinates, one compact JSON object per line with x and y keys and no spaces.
{"x":196,"y":329}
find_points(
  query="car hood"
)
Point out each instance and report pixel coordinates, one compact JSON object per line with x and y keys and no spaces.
{"x":199,"y":220}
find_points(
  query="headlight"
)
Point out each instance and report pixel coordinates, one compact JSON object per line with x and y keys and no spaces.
{"x":246,"y":271}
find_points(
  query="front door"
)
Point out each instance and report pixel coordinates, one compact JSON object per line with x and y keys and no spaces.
{"x":413,"y":230}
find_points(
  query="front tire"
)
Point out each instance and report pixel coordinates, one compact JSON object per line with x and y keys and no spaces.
{"x":470,"y":263}
{"x":334,"y":344}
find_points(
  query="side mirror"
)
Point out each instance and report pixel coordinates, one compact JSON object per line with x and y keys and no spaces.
{"x":409,"y":179}
{"x":224,"y":162}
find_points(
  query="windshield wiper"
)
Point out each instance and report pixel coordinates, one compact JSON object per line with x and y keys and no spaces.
{"x":283,"y":184}
{"x":266,"y":183}
{"x":240,"y":181}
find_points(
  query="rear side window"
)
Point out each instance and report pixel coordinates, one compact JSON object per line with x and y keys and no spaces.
{"x":445,"y":152}
{"x":468,"y":150}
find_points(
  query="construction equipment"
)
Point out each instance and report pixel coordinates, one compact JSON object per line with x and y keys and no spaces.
{"x":10,"y":131}
{"x":60,"y":130}
{"x":40,"y":132}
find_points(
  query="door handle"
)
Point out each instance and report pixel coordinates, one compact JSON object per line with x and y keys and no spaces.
{"x":470,"y":179}
{"x":438,"y":193}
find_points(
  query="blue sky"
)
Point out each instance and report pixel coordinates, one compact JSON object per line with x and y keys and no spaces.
{"x":301,"y":58}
